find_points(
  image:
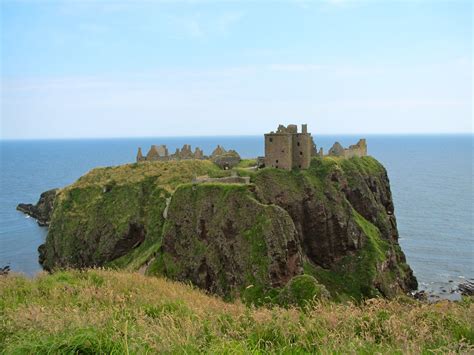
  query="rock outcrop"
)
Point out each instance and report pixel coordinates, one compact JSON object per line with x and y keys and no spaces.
{"x":223,"y":240}
{"x":334,"y":222}
{"x":43,"y":209}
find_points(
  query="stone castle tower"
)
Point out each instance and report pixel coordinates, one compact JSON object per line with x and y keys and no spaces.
{"x":288,"y":149}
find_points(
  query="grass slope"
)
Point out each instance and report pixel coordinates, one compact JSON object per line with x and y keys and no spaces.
{"x":99,"y":311}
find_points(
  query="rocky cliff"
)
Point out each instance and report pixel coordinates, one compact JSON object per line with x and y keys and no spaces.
{"x":42,"y":210}
{"x":334,"y":222}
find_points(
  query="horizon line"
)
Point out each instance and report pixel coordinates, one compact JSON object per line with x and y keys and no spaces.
{"x":236,"y":136}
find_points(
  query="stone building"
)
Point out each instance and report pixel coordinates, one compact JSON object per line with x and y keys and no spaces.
{"x":355,"y":150}
{"x":160,"y":153}
{"x":288,"y":149}
{"x":223,"y":158}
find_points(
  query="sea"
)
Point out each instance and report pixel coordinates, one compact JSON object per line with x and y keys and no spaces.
{"x":431,"y":179}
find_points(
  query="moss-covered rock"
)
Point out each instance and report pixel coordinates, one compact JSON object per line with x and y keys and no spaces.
{"x":334,"y":221}
{"x":343,"y":212}
{"x":114,"y":214}
{"x":302,"y":290}
{"x":219,"y":237}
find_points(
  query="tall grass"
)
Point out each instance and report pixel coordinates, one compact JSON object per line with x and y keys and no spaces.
{"x":99,"y":311}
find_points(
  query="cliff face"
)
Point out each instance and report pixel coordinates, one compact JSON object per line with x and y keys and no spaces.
{"x":343,"y":212}
{"x":223,"y":240}
{"x":334,"y":221}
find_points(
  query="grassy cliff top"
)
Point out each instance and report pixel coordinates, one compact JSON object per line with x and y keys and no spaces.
{"x":97,"y":311}
{"x":169,"y":174}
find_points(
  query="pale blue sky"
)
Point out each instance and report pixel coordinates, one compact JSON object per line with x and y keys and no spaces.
{"x":158,"y":68}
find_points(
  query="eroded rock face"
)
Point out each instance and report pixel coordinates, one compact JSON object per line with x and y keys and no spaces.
{"x":94,"y":225}
{"x":343,"y":211}
{"x":223,"y":240}
{"x":43,"y":209}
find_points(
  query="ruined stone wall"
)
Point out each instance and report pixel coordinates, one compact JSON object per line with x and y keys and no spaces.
{"x":355,"y":150}
{"x":279,"y":150}
{"x":160,"y":153}
{"x":155,"y":153}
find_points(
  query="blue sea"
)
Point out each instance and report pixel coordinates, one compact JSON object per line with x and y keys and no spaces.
{"x":431,"y":179}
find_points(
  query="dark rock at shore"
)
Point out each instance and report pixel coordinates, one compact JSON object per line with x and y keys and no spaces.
{"x":466,"y":288}
{"x":4,"y":270}
{"x":43,"y":209}
{"x":420,"y":295}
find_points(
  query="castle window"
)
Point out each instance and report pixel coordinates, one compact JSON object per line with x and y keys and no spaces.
{"x":298,"y":144}
{"x":301,"y":153}
{"x":271,"y":140}
{"x":282,"y":150}
{"x":277,"y":161}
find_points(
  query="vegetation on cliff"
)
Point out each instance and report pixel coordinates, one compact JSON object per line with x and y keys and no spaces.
{"x":334,"y":221}
{"x":97,"y":311}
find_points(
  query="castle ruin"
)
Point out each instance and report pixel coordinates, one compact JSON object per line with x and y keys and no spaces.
{"x":226,"y":159}
{"x":355,"y":150}
{"x":160,"y":153}
{"x":288,"y":149}
{"x":284,"y":149}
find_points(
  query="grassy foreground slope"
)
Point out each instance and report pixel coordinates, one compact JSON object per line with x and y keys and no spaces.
{"x":99,"y":311}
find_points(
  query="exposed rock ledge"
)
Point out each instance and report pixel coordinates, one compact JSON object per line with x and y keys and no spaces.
{"x":43,"y":209}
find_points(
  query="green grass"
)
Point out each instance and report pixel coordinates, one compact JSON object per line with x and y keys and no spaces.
{"x":169,"y":174}
{"x":301,"y":291}
{"x":247,"y":163}
{"x":102,"y":312}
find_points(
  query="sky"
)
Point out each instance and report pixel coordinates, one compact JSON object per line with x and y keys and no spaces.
{"x":90,"y":69}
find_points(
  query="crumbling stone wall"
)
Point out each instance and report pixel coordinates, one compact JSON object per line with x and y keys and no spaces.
{"x":355,"y":150}
{"x":156,"y":152}
{"x":222,"y":157}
